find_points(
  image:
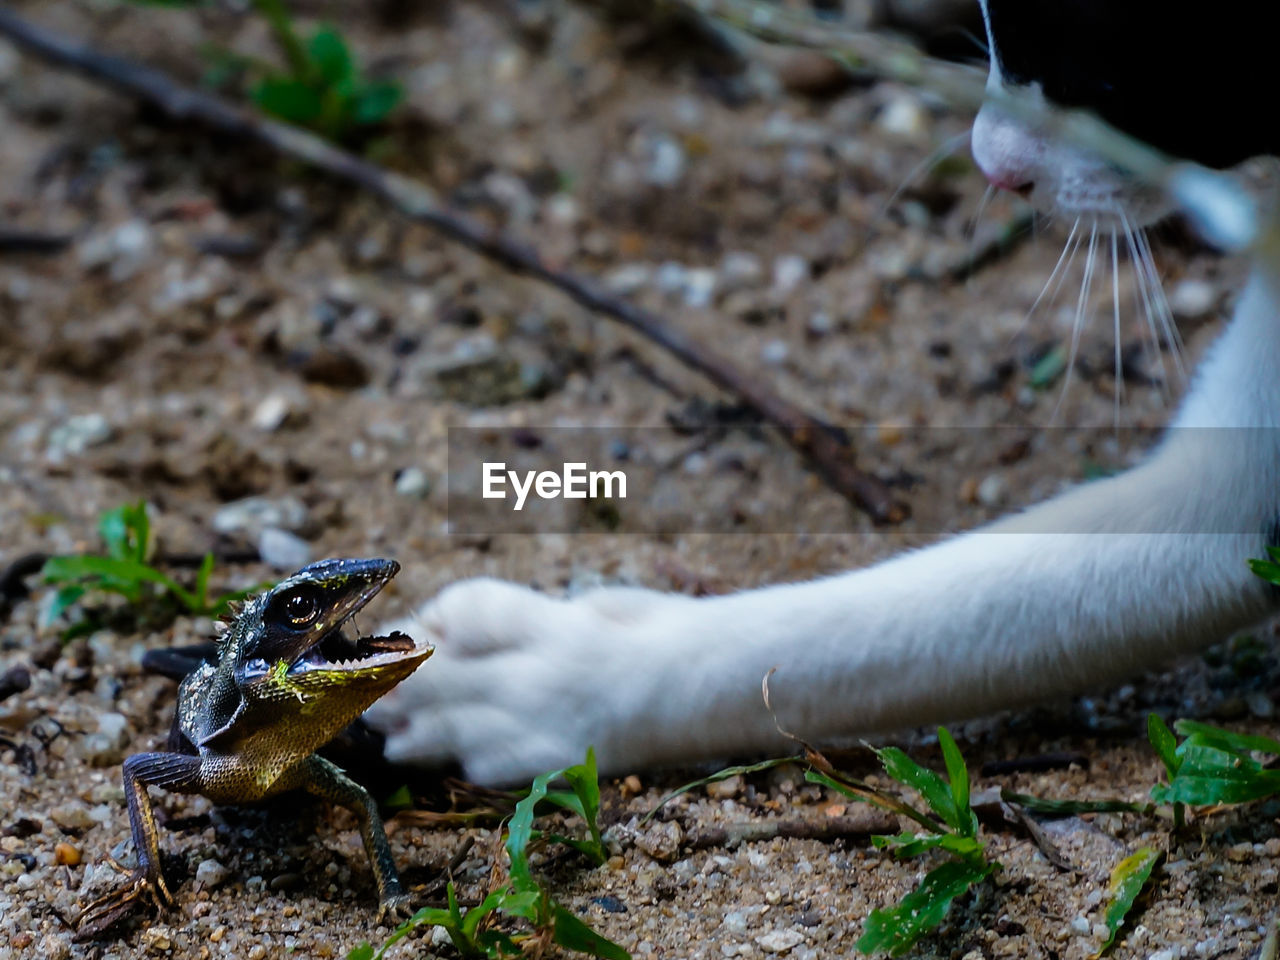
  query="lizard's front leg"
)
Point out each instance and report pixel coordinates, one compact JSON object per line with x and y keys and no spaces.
{"x":324,"y":779}
{"x":172,"y":771}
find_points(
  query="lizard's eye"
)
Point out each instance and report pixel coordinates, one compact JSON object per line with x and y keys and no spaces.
{"x":300,"y":608}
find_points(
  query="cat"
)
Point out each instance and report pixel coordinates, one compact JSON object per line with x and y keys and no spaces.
{"x":1098,"y":583}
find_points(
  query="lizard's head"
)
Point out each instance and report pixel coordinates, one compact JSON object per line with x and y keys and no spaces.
{"x":289,"y":643}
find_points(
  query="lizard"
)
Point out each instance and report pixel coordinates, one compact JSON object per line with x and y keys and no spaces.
{"x":287,"y":680}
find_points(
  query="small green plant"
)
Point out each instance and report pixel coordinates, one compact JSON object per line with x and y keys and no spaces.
{"x":951,"y":826}
{"x":523,"y":897}
{"x":321,"y":86}
{"x":1128,"y":880}
{"x":1214,"y":766}
{"x":125,"y":570}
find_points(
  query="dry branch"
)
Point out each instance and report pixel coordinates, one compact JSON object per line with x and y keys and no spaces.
{"x":858,"y":827}
{"x":826,"y":448}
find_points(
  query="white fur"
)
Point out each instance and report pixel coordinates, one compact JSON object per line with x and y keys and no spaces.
{"x":1096,"y":584}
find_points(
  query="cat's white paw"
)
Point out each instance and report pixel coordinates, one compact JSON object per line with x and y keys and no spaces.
{"x":520,"y":682}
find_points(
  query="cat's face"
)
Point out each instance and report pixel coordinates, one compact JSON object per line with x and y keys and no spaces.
{"x":1192,"y":79}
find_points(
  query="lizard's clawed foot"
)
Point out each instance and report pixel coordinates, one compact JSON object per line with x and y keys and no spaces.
{"x":395,"y":908}
{"x":107,"y":911}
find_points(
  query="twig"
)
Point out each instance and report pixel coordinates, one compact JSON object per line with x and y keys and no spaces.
{"x":826,"y":448}
{"x":32,"y":241}
{"x":826,"y":830}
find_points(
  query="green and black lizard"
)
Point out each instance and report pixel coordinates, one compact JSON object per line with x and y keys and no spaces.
{"x":288,"y":680}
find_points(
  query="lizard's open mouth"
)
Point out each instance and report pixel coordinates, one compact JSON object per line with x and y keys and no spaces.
{"x":340,"y":651}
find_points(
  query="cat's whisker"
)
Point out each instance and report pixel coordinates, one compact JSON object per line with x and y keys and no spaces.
{"x":1115,"y":311}
{"x":1163,"y":312}
{"x":977,"y":219}
{"x":1078,"y":321}
{"x":1058,"y":274}
{"x":945,"y":149}
{"x":1140,"y":282}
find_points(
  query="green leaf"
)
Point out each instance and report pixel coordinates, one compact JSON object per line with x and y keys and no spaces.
{"x":291,"y":100}
{"x":202,"y":584}
{"x":1164,"y":743}
{"x":331,"y":57}
{"x":119,"y":576}
{"x":907,"y":844}
{"x":1048,"y":368}
{"x":362,"y":952}
{"x":584,"y":778}
{"x":572,"y":934}
{"x":63,"y":600}
{"x":958,"y":774}
{"x":527,"y":904}
{"x":899,"y":927}
{"x":1209,"y":776}
{"x":520,"y":831}
{"x":927,"y":783}
{"x":400,"y":799}
{"x":374,"y":103}
{"x":1127,"y":881}
{"x":1202,"y":734}
{"x":1266,"y":569}
{"x":716,"y":777}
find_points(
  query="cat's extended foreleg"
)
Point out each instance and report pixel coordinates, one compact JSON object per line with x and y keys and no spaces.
{"x":1105,"y":580}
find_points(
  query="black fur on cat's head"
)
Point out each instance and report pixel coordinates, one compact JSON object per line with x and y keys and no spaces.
{"x":1198,"y":80}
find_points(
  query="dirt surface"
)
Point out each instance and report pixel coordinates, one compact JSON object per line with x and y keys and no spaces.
{"x":223,"y":325}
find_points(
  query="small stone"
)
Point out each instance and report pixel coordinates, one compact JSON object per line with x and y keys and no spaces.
{"x":903,"y":117}
{"x":440,"y":937}
{"x":253,"y":514}
{"x":789,"y":271}
{"x":632,"y":784}
{"x":1240,"y":852}
{"x":1170,"y":953}
{"x":413,"y":483}
{"x":209,"y":874}
{"x":66,"y":854}
{"x":661,"y":840}
{"x":53,"y":947}
{"x":1192,"y":299}
{"x":629,"y":278}
{"x":666,"y":161}
{"x":779,"y":941}
{"x":725,"y":789}
{"x":670,"y":278}
{"x":1259,"y":704}
{"x":1081,"y":925}
{"x":1272,"y":847}
{"x":991,"y":491}
{"x":220,"y":931}
{"x":775,"y":352}
{"x":819,"y":324}
{"x":283,"y":550}
{"x":271,"y":414}
{"x":77,"y":434}
{"x":739,"y":270}
{"x":699,"y":288}
{"x":72,"y":817}
{"x":735,"y":922}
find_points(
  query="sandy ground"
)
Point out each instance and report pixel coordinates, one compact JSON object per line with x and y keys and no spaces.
{"x":224,"y":326}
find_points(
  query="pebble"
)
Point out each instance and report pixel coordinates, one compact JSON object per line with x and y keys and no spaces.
{"x":1170,"y":953}
{"x":1191,"y":299}
{"x":661,"y":840}
{"x":1260,"y":705}
{"x":413,"y":483}
{"x":779,"y":941}
{"x":666,"y":161}
{"x":725,"y":789}
{"x":740,"y":270}
{"x":66,"y":854}
{"x":53,"y":947}
{"x":77,"y":434}
{"x":699,"y":287}
{"x":775,"y":352}
{"x":991,"y":491}
{"x":108,"y":745}
{"x":1081,"y":925}
{"x":904,"y":117}
{"x":254,"y":514}
{"x":789,"y":271}
{"x":211,"y":873}
{"x":123,"y":250}
{"x":628,"y":278}
{"x":71,"y":816}
{"x":270,"y":415}
{"x":283,"y":550}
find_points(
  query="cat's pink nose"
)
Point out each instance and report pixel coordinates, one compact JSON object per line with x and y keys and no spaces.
{"x":1006,"y":152}
{"x":1010,"y":180}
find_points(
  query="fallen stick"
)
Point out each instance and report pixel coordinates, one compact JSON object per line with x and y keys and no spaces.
{"x":857,"y":827}
{"x":825,"y":446}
